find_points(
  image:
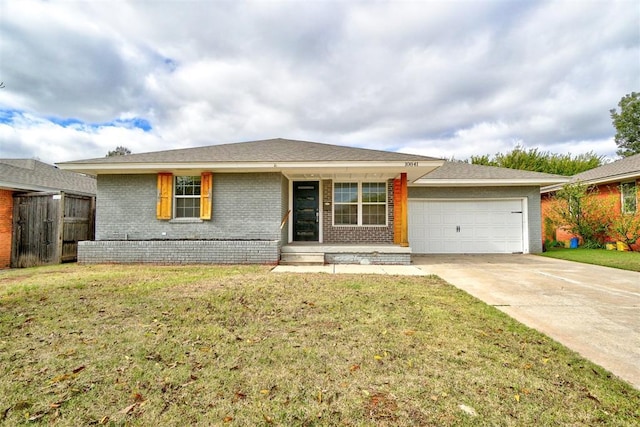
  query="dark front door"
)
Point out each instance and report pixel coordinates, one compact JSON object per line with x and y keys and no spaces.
{"x":305,"y":211}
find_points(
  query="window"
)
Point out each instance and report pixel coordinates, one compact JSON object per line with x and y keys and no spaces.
{"x":187,"y":197}
{"x":360,"y":203}
{"x":629,"y":197}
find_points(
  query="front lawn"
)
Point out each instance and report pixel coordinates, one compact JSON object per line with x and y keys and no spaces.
{"x":138,"y":345}
{"x":616,"y":259}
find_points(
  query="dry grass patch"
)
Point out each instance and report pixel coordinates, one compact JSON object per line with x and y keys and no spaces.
{"x":133,"y":345}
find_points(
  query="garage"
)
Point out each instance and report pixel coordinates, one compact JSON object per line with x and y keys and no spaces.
{"x":467,"y":226}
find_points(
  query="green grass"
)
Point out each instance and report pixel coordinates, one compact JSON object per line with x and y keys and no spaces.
{"x":615,"y":259}
{"x":140,"y":345}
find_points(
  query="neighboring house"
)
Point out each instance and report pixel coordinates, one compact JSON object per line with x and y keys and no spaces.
{"x":30,"y":192}
{"x":284,"y":200}
{"x":619,"y":179}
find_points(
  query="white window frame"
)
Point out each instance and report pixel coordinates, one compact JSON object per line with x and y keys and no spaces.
{"x":360,"y":204}
{"x":628,"y":186}
{"x":190,"y":196}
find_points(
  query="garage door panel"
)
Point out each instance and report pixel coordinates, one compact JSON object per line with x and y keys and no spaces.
{"x":466,"y":226}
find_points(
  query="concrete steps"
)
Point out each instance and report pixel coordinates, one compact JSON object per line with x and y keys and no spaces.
{"x":302,"y":258}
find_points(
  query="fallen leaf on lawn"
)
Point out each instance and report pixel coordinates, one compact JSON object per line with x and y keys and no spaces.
{"x":517,"y":397}
{"x":61,"y":378}
{"x":434,"y":397}
{"x":377,"y":357}
{"x":68,"y":353}
{"x":468,"y":410}
{"x":264,"y":391}
{"x":36,"y":416}
{"x":129,"y":409}
{"x":137,"y":397}
{"x":227,"y":419}
{"x":239,"y":396}
{"x":78,"y":369}
{"x":354,"y":368}
{"x":103,"y":420}
{"x":409,"y":332}
{"x":268,"y":419}
{"x":545,"y":360}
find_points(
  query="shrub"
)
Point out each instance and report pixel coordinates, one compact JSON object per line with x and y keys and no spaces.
{"x":582,"y":211}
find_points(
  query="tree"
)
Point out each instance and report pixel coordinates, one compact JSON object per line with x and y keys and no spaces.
{"x":580,"y":210}
{"x":627,"y":124}
{"x":541,"y":161}
{"x":119,"y":151}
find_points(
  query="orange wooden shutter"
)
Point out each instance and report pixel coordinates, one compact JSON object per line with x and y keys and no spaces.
{"x":206,"y":194}
{"x":165,"y":193}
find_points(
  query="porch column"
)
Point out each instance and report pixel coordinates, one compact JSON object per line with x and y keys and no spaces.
{"x":400,"y":235}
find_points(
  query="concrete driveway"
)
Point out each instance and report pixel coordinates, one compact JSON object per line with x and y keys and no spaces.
{"x":593,"y":310}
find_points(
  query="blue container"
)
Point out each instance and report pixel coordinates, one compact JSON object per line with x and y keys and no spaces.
{"x":574,"y":243}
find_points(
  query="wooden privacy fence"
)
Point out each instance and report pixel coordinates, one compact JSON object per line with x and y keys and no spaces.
{"x":48,"y":226}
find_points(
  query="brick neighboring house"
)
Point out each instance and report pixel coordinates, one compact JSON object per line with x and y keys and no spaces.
{"x":28,"y":176}
{"x":619,"y":179}
{"x":281,"y":200}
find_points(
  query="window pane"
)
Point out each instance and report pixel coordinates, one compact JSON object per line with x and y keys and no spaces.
{"x":373,"y":215}
{"x":374,"y":192}
{"x":187,"y":186}
{"x":345,"y":192}
{"x":346,"y":214}
{"x":629,"y":198}
{"x":187,"y":208}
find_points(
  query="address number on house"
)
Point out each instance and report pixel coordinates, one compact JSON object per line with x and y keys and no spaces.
{"x":411,"y":164}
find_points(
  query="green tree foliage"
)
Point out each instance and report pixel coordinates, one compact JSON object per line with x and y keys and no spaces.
{"x":119,"y":151}
{"x":541,"y":161}
{"x":581,"y":210}
{"x":627,"y":124}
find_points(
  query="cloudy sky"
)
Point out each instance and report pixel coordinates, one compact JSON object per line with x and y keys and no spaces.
{"x":439,"y":78}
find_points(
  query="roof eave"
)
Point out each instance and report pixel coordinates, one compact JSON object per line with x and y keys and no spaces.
{"x":18,"y":187}
{"x":495,"y":182}
{"x":597,"y":181}
{"x":415,"y":169}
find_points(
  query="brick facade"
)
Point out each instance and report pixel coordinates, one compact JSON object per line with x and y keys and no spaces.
{"x":245,"y":224}
{"x":359,"y":234}
{"x":606,"y":192}
{"x":179,"y":252}
{"x":6,"y":227}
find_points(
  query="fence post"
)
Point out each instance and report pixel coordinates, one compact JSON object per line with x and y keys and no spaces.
{"x":60,"y":242}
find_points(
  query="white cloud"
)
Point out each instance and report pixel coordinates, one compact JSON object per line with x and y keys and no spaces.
{"x":437,"y":77}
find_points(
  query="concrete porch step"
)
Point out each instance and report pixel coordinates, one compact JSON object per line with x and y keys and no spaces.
{"x":302,"y":258}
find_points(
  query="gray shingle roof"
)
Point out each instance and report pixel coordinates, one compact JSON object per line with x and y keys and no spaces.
{"x":269,"y":150}
{"x":613,"y":170}
{"x":626,"y":168}
{"x":467,"y":171}
{"x":33,"y":175}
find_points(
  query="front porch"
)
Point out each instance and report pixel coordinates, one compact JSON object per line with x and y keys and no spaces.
{"x":308,"y":253}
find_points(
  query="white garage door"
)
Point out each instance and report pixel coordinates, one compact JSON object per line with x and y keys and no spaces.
{"x":466,"y":226}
